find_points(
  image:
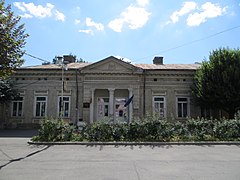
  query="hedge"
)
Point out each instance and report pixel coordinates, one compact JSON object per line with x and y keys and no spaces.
{"x":152,"y":130}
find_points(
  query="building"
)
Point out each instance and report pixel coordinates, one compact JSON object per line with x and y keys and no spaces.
{"x":94,"y":91}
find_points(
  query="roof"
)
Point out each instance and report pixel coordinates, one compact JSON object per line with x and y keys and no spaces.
{"x":55,"y":66}
{"x":168,"y":66}
{"x":80,"y":65}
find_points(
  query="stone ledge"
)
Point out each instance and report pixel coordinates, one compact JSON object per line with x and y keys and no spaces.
{"x":200,"y":143}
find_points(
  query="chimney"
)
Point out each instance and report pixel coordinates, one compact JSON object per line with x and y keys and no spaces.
{"x":158,"y":60}
{"x":69,"y":58}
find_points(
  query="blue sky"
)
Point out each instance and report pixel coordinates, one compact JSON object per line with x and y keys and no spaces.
{"x":137,"y":30}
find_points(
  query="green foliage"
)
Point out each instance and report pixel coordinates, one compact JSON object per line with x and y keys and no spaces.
{"x":12,"y":40}
{"x":56,"y":130}
{"x":217,"y":82}
{"x":152,"y":130}
{"x":200,"y":129}
{"x":227,"y":129}
{"x":7,"y":93}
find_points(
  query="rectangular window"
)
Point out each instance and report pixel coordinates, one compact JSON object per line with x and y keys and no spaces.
{"x":64,"y":106}
{"x":17,"y":107}
{"x":159,"y":105}
{"x":40,"y":106}
{"x":182,"y":107}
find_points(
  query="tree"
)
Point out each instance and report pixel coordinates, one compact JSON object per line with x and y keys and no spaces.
{"x":217,"y":82}
{"x":12,"y":40}
{"x":7,"y":92}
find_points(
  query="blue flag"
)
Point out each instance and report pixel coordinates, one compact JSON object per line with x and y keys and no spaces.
{"x":128,"y":101}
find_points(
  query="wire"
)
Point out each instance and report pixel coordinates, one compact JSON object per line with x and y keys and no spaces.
{"x":40,"y":59}
{"x":166,"y":50}
{"x":191,"y":42}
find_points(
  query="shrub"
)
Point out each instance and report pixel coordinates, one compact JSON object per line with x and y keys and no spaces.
{"x":149,"y":129}
{"x":99,"y":132}
{"x":55,"y":130}
{"x":227,"y":130}
{"x":200,"y":129}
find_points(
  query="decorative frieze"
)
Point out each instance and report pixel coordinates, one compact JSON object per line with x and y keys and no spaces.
{"x":65,"y":93}
{"x":159,"y":92}
{"x":41,"y":92}
{"x":102,"y":78}
{"x":182,"y":93}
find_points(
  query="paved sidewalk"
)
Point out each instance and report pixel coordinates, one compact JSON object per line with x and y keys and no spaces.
{"x":18,"y":133}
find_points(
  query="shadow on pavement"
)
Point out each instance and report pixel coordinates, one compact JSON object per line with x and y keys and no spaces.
{"x":22,"y":158}
{"x":18,"y":133}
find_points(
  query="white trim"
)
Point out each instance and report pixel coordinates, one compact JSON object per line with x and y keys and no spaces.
{"x":188,"y":106}
{"x":164,"y":105}
{"x":130,"y":109}
{"x":69,"y":106}
{"x":17,"y":101}
{"x":91,"y":111}
{"x":34,"y":112}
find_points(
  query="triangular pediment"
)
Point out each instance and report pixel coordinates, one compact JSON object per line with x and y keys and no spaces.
{"x":111,"y":65}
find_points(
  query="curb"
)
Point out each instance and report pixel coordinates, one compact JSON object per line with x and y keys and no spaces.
{"x":201,"y":143}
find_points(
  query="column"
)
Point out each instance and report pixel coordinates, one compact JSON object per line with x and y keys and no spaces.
{"x":92,"y":106}
{"x":111,"y":102}
{"x":130,"y":90}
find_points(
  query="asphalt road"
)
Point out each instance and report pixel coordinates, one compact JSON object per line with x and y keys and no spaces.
{"x":21,"y":161}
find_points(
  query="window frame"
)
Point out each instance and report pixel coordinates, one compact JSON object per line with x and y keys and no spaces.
{"x":35,"y":106}
{"x":164,"y":105}
{"x":182,"y":108}
{"x":59,"y":106}
{"x":101,"y":107}
{"x":17,"y":110}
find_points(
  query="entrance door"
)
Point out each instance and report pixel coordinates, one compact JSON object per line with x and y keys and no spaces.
{"x":102,"y":108}
{"x":121,"y":112}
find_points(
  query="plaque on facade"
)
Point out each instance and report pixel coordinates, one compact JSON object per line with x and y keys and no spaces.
{"x":86,"y":105}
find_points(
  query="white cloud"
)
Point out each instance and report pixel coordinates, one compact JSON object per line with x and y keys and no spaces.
{"x":19,"y":6}
{"x":209,"y":10}
{"x":91,"y":26}
{"x":116,"y":25}
{"x":86,"y":31}
{"x":142,"y":3}
{"x":59,"y":16}
{"x":123,"y":59}
{"x":26,"y":15}
{"x":135,"y":17}
{"x":187,"y":7}
{"x":91,"y":23}
{"x":39,"y":11}
{"x":77,"y":21}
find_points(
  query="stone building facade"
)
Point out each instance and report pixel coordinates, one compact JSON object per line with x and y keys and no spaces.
{"x":94,"y":91}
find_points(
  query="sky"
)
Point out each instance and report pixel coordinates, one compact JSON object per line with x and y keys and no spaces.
{"x":183,"y":32}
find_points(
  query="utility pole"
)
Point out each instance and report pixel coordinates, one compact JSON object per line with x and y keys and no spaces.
{"x":63,"y":67}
